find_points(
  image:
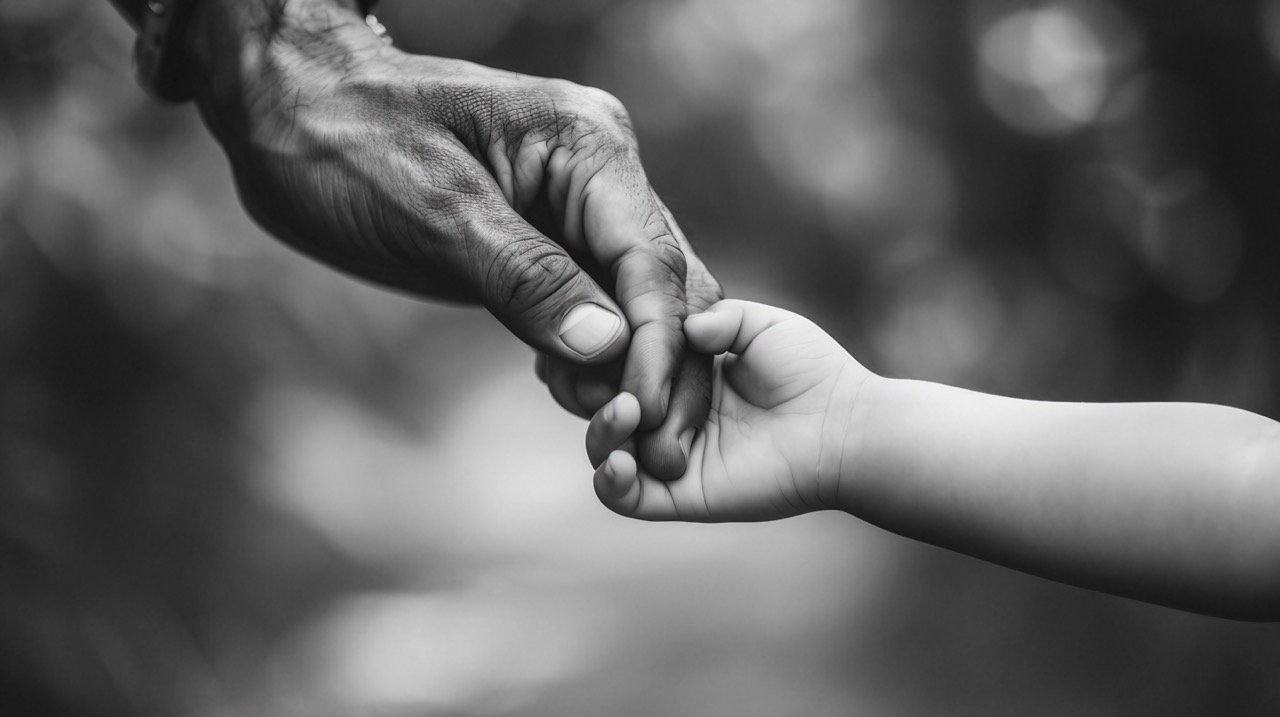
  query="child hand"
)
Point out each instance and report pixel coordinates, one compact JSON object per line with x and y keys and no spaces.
{"x":781,"y":402}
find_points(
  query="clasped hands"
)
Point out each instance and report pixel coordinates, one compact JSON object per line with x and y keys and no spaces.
{"x":454,"y":181}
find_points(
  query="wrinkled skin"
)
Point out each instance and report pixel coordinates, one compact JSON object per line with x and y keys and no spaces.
{"x":454,"y":181}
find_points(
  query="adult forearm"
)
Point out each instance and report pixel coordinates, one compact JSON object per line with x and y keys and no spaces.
{"x":1170,"y":503}
{"x":133,"y":10}
{"x":213,"y":16}
{"x":234,"y":44}
{"x":223,"y":42}
{"x":418,"y":173}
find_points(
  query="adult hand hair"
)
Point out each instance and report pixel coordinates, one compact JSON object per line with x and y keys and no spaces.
{"x":455,"y":181}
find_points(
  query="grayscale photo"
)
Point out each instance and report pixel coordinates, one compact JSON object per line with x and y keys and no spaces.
{"x":639,"y":358}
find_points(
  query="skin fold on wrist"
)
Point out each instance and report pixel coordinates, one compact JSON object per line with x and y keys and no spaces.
{"x":852,"y":419}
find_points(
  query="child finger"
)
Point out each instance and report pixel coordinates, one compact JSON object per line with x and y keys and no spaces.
{"x":713,"y":331}
{"x":622,"y":488}
{"x":617,"y":483}
{"x":731,"y":325}
{"x":611,"y":426}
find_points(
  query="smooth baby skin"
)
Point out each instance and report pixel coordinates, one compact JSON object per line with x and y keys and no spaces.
{"x":1173,"y":503}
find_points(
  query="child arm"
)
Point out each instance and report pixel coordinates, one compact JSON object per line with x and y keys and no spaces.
{"x":1172,"y":503}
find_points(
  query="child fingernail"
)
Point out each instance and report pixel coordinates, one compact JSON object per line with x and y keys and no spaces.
{"x":589,"y":328}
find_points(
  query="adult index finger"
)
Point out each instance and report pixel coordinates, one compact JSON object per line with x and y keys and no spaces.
{"x":626,"y":229}
{"x":664,"y":451}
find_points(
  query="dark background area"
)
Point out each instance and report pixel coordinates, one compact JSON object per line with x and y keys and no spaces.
{"x":234,"y":482}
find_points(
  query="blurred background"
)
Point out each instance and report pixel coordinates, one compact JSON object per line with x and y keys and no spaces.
{"x":233,"y":482}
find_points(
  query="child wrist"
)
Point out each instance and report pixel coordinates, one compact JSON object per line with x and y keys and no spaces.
{"x":850,"y":414}
{"x":860,"y":416}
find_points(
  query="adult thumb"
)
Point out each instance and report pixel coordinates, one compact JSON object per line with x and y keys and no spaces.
{"x":541,"y":294}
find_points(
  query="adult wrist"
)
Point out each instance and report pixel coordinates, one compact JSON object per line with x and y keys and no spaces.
{"x":251,"y":54}
{"x":228,"y":42}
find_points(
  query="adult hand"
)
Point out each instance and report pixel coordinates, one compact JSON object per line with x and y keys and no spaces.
{"x":456,"y":181}
{"x":583,"y":390}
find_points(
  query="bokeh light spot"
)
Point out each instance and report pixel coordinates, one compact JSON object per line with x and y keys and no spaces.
{"x":1044,"y":71}
{"x":946,"y":321}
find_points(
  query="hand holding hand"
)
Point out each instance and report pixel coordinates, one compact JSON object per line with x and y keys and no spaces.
{"x":456,"y":181}
{"x":782,"y":399}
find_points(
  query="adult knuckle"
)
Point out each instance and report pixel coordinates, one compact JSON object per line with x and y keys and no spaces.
{"x":658,"y":268}
{"x":478,"y":108}
{"x":526,"y":274}
{"x":591,"y":113}
{"x":607,"y":103}
{"x":614,"y":114}
{"x":669,"y":254}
